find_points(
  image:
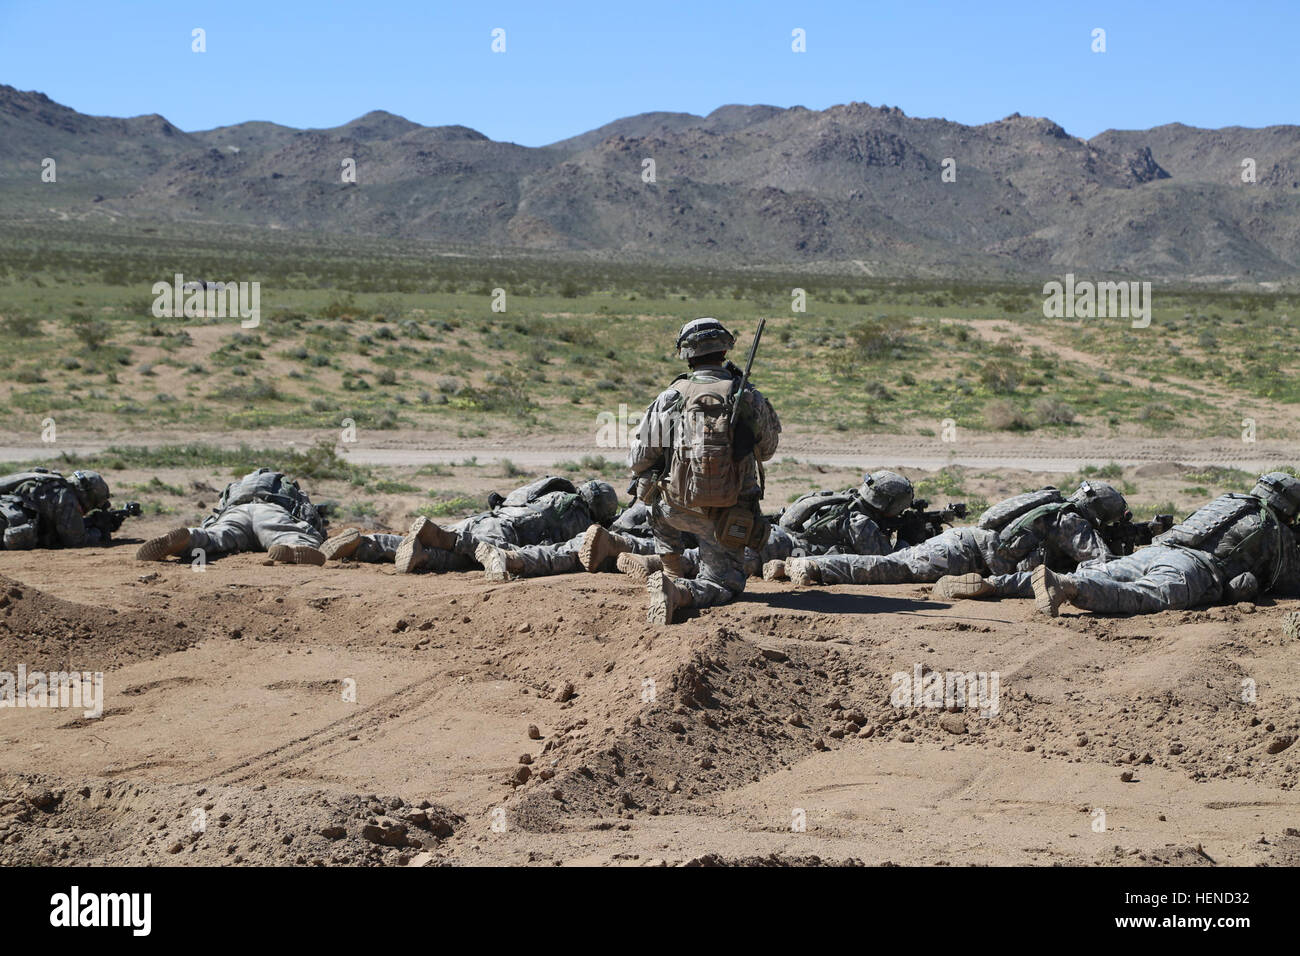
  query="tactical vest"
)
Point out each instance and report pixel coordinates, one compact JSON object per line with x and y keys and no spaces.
{"x":270,"y":487}
{"x":1004,"y":512}
{"x":1239,"y":531}
{"x":703,"y":472}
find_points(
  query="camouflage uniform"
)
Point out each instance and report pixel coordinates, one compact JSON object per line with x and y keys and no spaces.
{"x":854,"y":532}
{"x":1233,"y":549}
{"x":259,"y":511}
{"x":1062,"y":537}
{"x":720,"y":573}
{"x":550,"y":512}
{"x":44,"y":509}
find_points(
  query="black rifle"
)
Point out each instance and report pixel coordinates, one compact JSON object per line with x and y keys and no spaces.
{"x":916,"y":523}
{"x":1124,"y":537}
{"x":108,"y":520}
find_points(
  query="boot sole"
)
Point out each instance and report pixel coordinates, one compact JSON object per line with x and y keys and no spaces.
{"x":1043,"y":599}
{"x":598,"y":546}
{"x":342,"y":546}
{"x":409,"y":553}
{"x":634,"y":567}
{"x":659,"y":607}
{"x":800,"y":573}
{"x":774,"y":571}
{"x":173,"y":542}
{"x":960,"y":586}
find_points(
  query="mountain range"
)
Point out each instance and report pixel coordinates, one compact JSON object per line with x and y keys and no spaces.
{"x":852,"y":188}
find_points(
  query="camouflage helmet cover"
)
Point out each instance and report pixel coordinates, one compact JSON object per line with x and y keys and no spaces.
{"x":601,"y":499}
{"x":92,"y":488}
{"x":886,"y":491}
{"x":703,"y":337}
{"x":1279,"y":491}
{"x":1102,"y":501}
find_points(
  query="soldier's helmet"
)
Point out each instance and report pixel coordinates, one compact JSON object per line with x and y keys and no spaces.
{"x":1279,"y":491}
{"x":92,"y":488}
{"x":887,"y":492}
{"x":703,"y":337}
{"x":601,"y":499}
{"x":1101,"y":501}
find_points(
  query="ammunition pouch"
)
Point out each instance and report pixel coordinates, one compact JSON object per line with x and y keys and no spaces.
{"x":742,"y":526}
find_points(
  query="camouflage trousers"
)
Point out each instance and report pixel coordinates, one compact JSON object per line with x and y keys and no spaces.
{"x":780,"y":545}
{"x":255,"y":526}
{"x":1151,"y":579}
{"x":720,"y":572}
{"x":544,"y":559}
{"x":955,"y":551}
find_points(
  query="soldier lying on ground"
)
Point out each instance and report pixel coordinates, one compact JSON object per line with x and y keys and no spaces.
{"x":1234,"y":549}
{"x":994,"y":559}
{"x":822,"y":522}
{"x":549,"y":512}
{"x":260,"y":512}
{"x":43,"y":509}
{"x":592,"y":549}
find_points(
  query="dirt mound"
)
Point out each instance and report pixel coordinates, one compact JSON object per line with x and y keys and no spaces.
{"x":107,"y":822}
{"x":45,"y":632}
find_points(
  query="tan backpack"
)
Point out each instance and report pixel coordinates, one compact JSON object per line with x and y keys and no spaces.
{"x":703,"y":473}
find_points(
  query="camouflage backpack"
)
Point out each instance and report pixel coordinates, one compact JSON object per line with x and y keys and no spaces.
{"x":1003,"y":513}
{"x":810,"y":508}
{"x":704,"y":472}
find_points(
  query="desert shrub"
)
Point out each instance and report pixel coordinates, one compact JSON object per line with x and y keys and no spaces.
{"x":1001,"y":377}
{"x":1053,"y":411}
{"x":1001,"y":415}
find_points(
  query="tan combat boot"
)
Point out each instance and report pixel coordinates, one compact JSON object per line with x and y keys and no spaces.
{"x":295,"y":554}
{"x":598,"y":546}
{"x":803,"y":572}
{"x":774,"y":571}
{"x":342,"y":546}
{"x":1051,"y":590}
{"x":953,"y":587}
{"x":498,"y":563}
{"x":176,"y":541}
{"x":666,"y":596}
{"x":639,"y":567}
{"x":422,"y":535}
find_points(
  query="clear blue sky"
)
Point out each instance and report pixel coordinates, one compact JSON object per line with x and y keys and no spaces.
{"x":569,"y":67}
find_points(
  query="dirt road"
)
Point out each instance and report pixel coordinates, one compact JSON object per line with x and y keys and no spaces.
{"x":1047,"y":455}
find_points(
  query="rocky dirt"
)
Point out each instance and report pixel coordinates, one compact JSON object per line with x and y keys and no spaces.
{"x":260,"y":714}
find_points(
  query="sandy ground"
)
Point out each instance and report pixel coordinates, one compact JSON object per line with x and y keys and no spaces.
{"x":759,"y":732}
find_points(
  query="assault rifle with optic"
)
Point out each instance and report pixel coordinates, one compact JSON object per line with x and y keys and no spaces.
{"x":1126,"y":536}
{"x":917,"y":523}
{"x":108,"y":520}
